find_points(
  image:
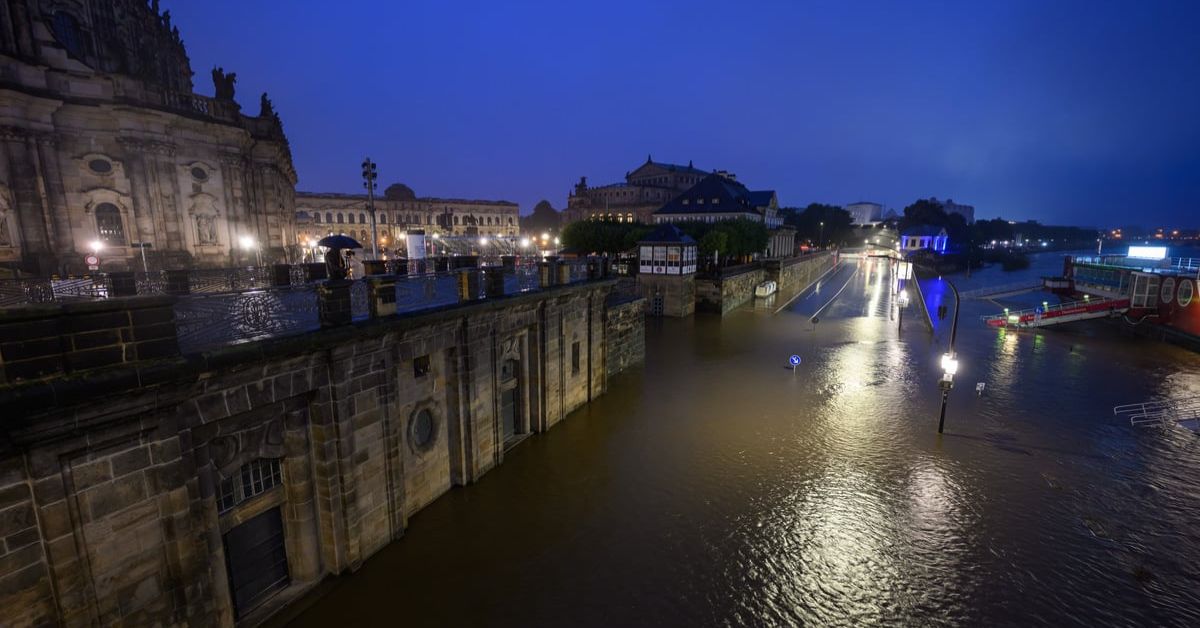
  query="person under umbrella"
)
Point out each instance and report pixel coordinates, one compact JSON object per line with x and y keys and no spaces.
{"x":335,"y":264}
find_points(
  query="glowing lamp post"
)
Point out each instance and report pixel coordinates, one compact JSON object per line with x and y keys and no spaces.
{"x":903,"y":303}
{"x":949,"y":362}
{"x":249,"y":244}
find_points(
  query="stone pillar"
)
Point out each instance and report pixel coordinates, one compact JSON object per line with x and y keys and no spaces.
{"x":178,"y":282}
{"x":593,"y":268}
{"x":123,"y":284}
{"x":399,"y":266}
{"x":464,"y":261}
{"x":547,"y":273}
{"x":315,"y":272}
{"x":281,"y":275}
{"x":509,"y":262}
{"x":494,"y":281}
{"x":381,"y":295}
{"x":333,"y":303}
{"x":374,"y":267}
{"x":468,"y":284}
{"x":564,"y":274}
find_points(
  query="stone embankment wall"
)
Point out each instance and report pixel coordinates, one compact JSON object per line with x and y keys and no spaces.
{"x":722,"y":295}
{"x":624,"y":334}
{"x":799,"y":272}
{"x":122,"y":486}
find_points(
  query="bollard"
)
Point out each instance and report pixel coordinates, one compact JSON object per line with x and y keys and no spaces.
{"x":178,"y":282}
{"x":333,"y":303}
{"x":381,"y":295}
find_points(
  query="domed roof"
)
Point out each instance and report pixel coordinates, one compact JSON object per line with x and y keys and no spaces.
{"x":399,"y":192}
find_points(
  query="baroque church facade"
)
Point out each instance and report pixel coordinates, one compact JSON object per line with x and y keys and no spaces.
{"x":104,"y":145}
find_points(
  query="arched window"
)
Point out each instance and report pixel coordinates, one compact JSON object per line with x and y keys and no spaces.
{"x":317,"y":217}
{"x":328,"y":217}
{"x":108,"y":224}
{"x":456,"y":220}
{"x":383,"y":218}
{"x":362,"y":218}
{"x":340,"y":218}
{"x":66,"y":31}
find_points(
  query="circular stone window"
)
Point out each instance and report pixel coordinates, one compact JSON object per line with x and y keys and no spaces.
{"x":100,"y":166}
{"x":199,"y":174}
{"x":1185,"y":293}
{"x":422,"y":430}
{"x":1168,"y":289}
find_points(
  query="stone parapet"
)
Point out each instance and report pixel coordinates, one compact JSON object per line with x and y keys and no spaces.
{"x":47,"y":340}
{"x":121,"y":487}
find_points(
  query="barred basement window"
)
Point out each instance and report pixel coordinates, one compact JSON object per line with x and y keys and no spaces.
{"x":254,"y":478}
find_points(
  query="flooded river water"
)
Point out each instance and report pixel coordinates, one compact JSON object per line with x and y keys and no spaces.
{"x":715,"y":487}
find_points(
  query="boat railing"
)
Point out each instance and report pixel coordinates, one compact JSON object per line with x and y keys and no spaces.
{"x":1159,"y":412}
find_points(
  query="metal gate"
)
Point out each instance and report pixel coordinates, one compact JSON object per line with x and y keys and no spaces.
{"x":256,"y":560}
{"x":656,"y":304}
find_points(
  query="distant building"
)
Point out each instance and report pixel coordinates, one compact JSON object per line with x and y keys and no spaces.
{"x":645,"y":189}
{"x":719,"y":197}
{"x":950,"y":207}
{"x":865,"y":213}
{"x":924,"y":237}
{"x":397,"y":210}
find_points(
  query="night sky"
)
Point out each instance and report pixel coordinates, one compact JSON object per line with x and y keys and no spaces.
{"x":1069,"y":112}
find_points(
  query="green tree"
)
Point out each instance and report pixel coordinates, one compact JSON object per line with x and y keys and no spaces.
{"x":808,"y":223}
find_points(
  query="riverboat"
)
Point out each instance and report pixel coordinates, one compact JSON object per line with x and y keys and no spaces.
{"x":1162,"y":292}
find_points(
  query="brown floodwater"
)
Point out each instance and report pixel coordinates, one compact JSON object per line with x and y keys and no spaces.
{"x":716,"y":487}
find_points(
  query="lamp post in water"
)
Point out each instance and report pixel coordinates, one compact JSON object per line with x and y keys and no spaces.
{"x":949,"y":362}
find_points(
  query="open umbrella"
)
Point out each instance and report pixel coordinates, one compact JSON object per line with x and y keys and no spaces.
{"x":339,"y":242}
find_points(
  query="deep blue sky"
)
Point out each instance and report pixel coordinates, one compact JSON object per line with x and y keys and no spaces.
{"x":1080,"y":111}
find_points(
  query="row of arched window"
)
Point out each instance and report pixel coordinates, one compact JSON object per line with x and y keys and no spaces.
{"x":411,"y":219}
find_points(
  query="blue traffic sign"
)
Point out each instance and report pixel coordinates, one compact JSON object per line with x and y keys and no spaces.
{"x":795,"y":360}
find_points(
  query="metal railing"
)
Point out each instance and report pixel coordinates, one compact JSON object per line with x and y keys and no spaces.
{"x":27,"y":291}
{"x":1161,"y":413}
{"x":1066,"y":311}
{"x":205,"y":320}
{"x":1020,"y":286}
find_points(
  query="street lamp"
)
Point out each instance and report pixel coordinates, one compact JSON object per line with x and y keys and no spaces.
{"x":821,"y":239}
{"x":370,"y":173}
{"x":96,"y":246}
{"x":903,"y":304}
{"x":949,"y":361}
{"x":249,"y":244}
